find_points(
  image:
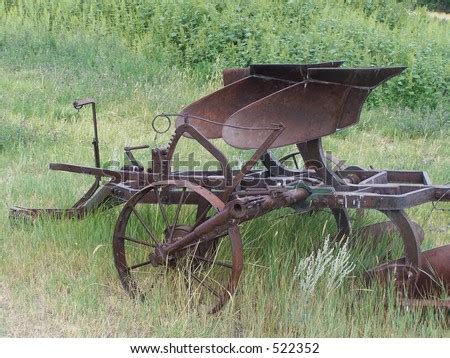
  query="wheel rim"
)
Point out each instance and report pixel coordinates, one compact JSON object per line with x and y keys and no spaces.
{"x":296,"y":159}
{"x":210,"y":270}
{"x":410,"y":235}
{"x":405,"y":271}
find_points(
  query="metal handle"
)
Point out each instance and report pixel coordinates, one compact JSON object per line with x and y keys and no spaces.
{"x":80,"y":104}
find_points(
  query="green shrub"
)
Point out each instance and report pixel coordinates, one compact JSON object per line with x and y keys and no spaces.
{"x":207,"y":36}
{"x":436,"y":5}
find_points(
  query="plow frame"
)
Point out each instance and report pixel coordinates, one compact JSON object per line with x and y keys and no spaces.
{"x":240,"y":195}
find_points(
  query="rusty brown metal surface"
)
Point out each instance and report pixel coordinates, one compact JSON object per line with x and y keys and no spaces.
{"x":433,"y":275}
{"x":307,"y":110}
{"x":220,"y":105}
{"x":243,"y":86}
{"x":358,"y":77}
{"x":294,"y":72}
{"x":330,"y":99}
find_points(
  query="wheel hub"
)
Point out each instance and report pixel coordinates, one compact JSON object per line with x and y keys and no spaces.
{"x":159,"y":256}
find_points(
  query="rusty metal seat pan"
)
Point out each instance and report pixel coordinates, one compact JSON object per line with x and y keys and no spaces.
{"x":310,"y":102}
{"x":328,"y":100}
{"x":243,"y":86}
{"x":289,"y":72}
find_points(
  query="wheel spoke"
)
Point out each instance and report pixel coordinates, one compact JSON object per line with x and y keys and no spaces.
{"x":295,"y":162}
{"x":203,"y":283}
{"x":201,"y":217}
{"x":177,"y":213}
{"x":137,"y":241}
{"x":139,"y":265}
{"x":161,"y":208}
{"x":214,"y":262}
{"x":144,"y":225}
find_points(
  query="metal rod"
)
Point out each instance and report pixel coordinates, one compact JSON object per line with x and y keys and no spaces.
{"x":80,"y":104}
{"x":95,"y":140}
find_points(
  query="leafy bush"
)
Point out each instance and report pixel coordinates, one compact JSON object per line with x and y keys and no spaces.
{"x":436,"y":5}
{"x":207,"y":36}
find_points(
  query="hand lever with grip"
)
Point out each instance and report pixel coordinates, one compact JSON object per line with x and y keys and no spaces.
{"x":82,"y":102}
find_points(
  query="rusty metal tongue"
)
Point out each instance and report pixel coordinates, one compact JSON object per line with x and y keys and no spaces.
{"x":330,"y":99}
{"x":220,"y":105}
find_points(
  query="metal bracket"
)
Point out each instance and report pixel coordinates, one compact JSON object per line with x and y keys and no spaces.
{"x":315,"y":192}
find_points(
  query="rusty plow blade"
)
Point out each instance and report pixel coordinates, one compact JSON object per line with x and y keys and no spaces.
{"x":430,"y":281}
{"x":375,"y":232}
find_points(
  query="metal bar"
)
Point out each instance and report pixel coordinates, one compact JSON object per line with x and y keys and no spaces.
{"x":95,"y":140}
{"x":99,"y":172}
{"x":393,"y":176}
{"x":379,"y":178}
{"x":252,"y":161}
{"x":145,"y":146}
{"x":362,"y":200}
{"x":205,"y":143}
{"x":80,"y":104}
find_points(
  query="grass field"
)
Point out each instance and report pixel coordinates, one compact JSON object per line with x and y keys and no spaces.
{"x":57,"y":278}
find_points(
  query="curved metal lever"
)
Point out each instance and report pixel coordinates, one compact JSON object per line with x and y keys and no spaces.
{"x":78,"y":104}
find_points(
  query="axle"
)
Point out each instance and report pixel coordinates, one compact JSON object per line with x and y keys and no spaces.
{"x":235,"y":212}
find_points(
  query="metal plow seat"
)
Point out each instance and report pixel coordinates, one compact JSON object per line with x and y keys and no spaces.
{"x":242,"y":86}
{"x":310,"y":101}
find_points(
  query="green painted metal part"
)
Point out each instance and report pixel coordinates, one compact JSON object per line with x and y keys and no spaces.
{"x":314,"y":193}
